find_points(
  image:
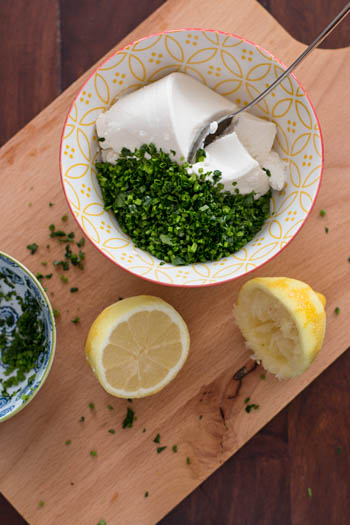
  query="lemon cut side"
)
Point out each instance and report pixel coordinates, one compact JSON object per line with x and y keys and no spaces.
{"x":137,"y":346}
{"x":283,"y":321}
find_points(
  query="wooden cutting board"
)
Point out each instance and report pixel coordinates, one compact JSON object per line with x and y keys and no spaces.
{"x":35,"y":463}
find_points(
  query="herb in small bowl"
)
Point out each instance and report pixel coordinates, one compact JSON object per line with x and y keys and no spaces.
{"x":27,"y":336}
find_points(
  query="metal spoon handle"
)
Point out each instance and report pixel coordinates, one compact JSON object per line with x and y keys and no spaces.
{"x":332,"y":25}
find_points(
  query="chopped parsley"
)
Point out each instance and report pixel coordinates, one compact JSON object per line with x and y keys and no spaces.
{"x":32,"y":247}
{"x":176,"y":216}
{"x":268,"y":172}
{"x":50,"y":204}
{"x":247,"y":399}
{"x":200,"y":417}
{"x":64,"y":278}
{"x":102,"y":522}
{"x":129,"y":418}
{"x":160,"y":449}
{"x":326,"y":229}
{"x":56,"y":312}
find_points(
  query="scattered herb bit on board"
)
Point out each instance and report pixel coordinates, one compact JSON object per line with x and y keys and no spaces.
{"x":160,"y":449}
{"x":200,"y":417}
{"x":247,"y":399}
{"x":178,"y":217}
{"x":309,"y":492}
{"x":146,"y":494}
{"x":82,"y":419}
{"x":76,"y":320}
{"x":32,"y":247}
{"x":111,"y":431}
{"x":64,"y":278}
{"x":263,"y":377}
{"x":102,"y":522}
{"x":323,"y":213}
{"x":337,"y":310}
{"x":144,"y":430}
{"x":50,"y":204}
{"x":110,"y":407}
{"x":68,"y":442}
{"x":91,"y":406}
{"x":56,"y":312}
{"x":188,"y":461}
{"x":339,"y":450}
{"x":251,"y":407}
{"x":93,"y":453}
{"x":174,"y":448}
{"x":157,"y":439}
{"x":41,"y":503}
{"x":129,"y":418}
{"x":64,"y":218}
{"x":326,"y":229}
{"x":74,"y":289}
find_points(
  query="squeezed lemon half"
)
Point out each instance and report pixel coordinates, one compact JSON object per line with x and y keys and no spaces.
{"x":283,"y":321}
{"x":136,"y":346}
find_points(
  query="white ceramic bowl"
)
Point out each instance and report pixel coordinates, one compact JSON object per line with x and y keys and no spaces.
{"x":235,"y":68}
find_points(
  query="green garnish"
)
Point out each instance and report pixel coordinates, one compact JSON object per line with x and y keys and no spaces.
{"x":41,"y":503}
{"x":93,"y":453}
{"x":129,"y":418}
{"x":146,"y":494}
{"x":111,"y":431}
{"x":91,"y":406}
{"x":102,"y":522}
{"x":339,"y":450}
{"x":48,"y":275}
{"x":247,"y":399}
{"x":21,"y":350}
{"x":101,"y":139}
{"x":200,"y":417}
{"x":82,"y":419}
{"x":50,"y":204}
{"x":110,"y":407}
{"x":309,"y":492}
{"x":144,"y":430}
{"x":39,"y":276}
{"x":188,"y":461}
{"x":76,"y":320}
{"x":44,"y":263}
{"x":74,"y":289}
{"x":81,"y":243}
{"x":178,"y":217}
{"x":64,"y":218}
{"x":268,"y":172}
{"x":248,"y":408}
{"x":322,"y":213}
{"x":160,"y":449}
{"x":30,"y":204}
{"x":68,"y":442}
{"x":263,"y":376}
{"x":32,"y":247}
{"x":157,"y":439}
{"x":174,"y":448}
{"x":64,"y":278}
{"x":56,"y":312}
{"x":326,"y":229}
{"x":337,"y":310}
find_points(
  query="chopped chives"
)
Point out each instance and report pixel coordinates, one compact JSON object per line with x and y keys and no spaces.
{"x":157,"y":439}
{"x":160,"y":449}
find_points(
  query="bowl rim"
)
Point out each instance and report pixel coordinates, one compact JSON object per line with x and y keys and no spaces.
{"x":53,"y":345}
{"x":184,"y":29}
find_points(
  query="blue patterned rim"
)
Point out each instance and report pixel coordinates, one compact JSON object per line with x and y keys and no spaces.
{"x":26,"y":283}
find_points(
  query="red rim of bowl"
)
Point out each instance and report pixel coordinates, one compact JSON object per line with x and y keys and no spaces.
{"x":179,"y":31}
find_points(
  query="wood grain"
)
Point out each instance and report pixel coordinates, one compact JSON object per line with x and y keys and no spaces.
{"x":264,"y":457}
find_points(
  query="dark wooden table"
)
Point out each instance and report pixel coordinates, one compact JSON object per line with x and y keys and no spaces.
{"x":59,"y":40}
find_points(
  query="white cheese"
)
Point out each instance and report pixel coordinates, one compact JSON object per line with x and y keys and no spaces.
{"x":257,"y":135}
{"x":278,"y":170}
{"x":238,"y":168}
{"x":169,"y":112}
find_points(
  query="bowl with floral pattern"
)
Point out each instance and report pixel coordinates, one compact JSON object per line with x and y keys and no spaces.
{"x":27,"y":334}
{"x":233,"y":67}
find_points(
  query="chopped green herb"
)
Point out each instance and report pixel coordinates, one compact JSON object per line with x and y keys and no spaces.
{"x":144,"y":430}
{"x":200,"y":417}
{"x":91,"y":406}
{"x":348,"y":259}
{"x":81,"y":243}
{"x":29,"y":204}
{"x":64,"y":278}
{"x":146,"y":494}
{"x":188,"y":461}
{"x":50,"y":204}
{"x":111,"y":431}
{"x":56,"y":312}
{"x":157,"y":439}
{"x":32,"y":248}
{"x":76,"y":320}
{"x":64,"y":218}
{"x":326,"y":229}
{"x":101,"y":139}
{"x":322,"y":213}
{"x":41,"y":503}
{"x":247,"y":399}
{"x":160,"y":449}
{"x":337,"y":310}
{"x":48,"y":246}
{"x":110,"y":407}
{"x":174,"y":448}
{"x":248,"y":408}
{"x":74,"y":289}
{"x":93,"y":453}
{"x":120,"y":298}
{"x":339,"y":450}
{"x":102,"y":522}
{"x":268,"y":172}
{"x":44,"y":263}
{"x":82,"y":419}
{"x":157,"y":202}
{"x":263,"y":376}
{"x":129,"y":418}
{"x":309,"y":492}
{"x":68,"y":442}
{"x":52,"y":227}
{"x":39,"y":276}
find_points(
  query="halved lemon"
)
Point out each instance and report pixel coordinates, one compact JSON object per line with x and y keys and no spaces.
{"x":136,"y":346}
{"x":283,"y":321}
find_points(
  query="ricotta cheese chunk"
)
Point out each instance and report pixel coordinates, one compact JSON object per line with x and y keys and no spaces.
{"x":277,"y":169}
{"x":239,"y":170}
{"x":257,"y":135}
{"x":169,"y":112}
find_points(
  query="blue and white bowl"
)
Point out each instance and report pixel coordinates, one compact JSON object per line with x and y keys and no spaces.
{"x":25,"y":283}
